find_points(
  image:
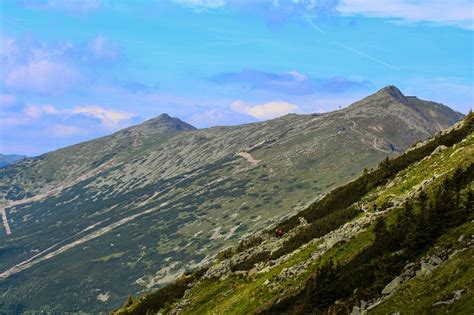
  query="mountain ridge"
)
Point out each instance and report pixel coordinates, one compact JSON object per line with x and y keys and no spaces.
{"x":179,"y":197}
{"x":410,"y":255}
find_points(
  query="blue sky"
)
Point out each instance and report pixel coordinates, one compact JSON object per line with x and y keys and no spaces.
{"x":75,"y":70}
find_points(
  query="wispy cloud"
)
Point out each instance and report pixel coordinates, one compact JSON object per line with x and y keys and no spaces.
{"x":458,"y":13}
{"x":47,"y":68}
{"x":69,"y":6}
{"x":267,"y":110}
{"x":64,"y":131}
{"x":219,"y":117}
{"x":108,"y":118}
{"x":8,"y":101}
{"x":292,"y":82}
{"x":42,"y":77}
{"x":201,"y":4}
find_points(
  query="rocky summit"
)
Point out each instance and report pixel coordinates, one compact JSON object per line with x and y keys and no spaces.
{"x":87,"y":225}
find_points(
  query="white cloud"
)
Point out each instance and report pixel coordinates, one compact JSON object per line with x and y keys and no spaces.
{"x":42,"y":76}
{"x":266,"y":110}
{"x":219,"y":117}
{"x":110,"y":119}
{"x":102,"y":48}
{"x":457,"y":13}
{"x":201,"y":4}
{"x":64,"y":131}
{"x":8,"y":100}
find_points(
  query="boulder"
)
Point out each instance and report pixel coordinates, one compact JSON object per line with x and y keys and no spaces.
{"x":333,"y":241}
{"x":435,"y":260}
{"x":394,"y":284}
{"x":439,"y":149}
{"x":425,"y":269}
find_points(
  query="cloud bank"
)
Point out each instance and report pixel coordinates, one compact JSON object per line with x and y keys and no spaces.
{"x":292,"y":82}
{"x":264,"y":111}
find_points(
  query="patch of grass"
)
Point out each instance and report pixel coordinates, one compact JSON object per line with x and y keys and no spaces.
{"x":418,"y":295}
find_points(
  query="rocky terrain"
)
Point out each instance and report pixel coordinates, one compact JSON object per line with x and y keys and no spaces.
{"x":413,"y":255}
{"x":89,"y":224}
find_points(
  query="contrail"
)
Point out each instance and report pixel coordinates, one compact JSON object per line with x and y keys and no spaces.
{"x":316,"y":27}
{"x":360,"y":53}
{"x":366,"y":55}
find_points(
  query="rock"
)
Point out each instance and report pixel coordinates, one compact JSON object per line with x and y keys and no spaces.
{"x":461,"y":238}
{"x":426,"y":268}
{"x":389,"y":288}
{"x":355,"y":311}
{"x":435,"y":260}
{"x":454,"y":253}
{"x":408,"y":272}
{"x":303,"y":221}
{"x":439,"y":149}
{"x":410,"y":265}
{"x":456,"y":295}
{"x":334,"y":240}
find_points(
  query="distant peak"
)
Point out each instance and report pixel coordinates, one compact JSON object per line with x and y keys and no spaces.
{"x":166,"y":122}
{"x":164,"y":116}
{"x":394,"y":92}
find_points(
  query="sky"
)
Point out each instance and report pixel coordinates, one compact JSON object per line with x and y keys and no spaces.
{"x":74,"y":70}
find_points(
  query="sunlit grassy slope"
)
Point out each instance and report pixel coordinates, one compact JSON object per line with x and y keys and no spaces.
{"x":266,"y":282}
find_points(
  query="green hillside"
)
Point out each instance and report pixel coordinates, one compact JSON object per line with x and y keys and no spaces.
{"x":414,"y":255}
{"x":153,"y":200}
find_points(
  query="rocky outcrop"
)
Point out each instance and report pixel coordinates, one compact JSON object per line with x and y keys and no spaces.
{"x":455,"y":295}
{"x":422,"y":268}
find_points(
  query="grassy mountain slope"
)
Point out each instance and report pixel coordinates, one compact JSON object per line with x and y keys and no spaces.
{"x":150,"y":201}
{"x":413,"y":256}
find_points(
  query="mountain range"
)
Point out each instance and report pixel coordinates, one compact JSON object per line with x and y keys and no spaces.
{"x":87,"y":225}
{"x":7,"y":159}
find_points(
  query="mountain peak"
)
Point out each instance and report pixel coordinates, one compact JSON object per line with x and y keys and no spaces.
{"x":393,"y":91}
{"x":382,"y":97}
{"x":166,"y":122}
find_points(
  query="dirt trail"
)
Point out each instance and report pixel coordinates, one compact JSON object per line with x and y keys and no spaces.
{"x":6,"y":226}
{"x":248,"y":157}
{"x":58,"y":248}
{"x":364,"y":134}
{"x":54,"y":191}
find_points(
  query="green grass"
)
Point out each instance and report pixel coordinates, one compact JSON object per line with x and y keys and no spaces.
{"x":418,"y":295}
{"x":248,"y":294}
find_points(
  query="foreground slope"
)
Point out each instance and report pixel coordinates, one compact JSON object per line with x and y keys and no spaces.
{"x":413,"y":256}
{"x":126,"y":213}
